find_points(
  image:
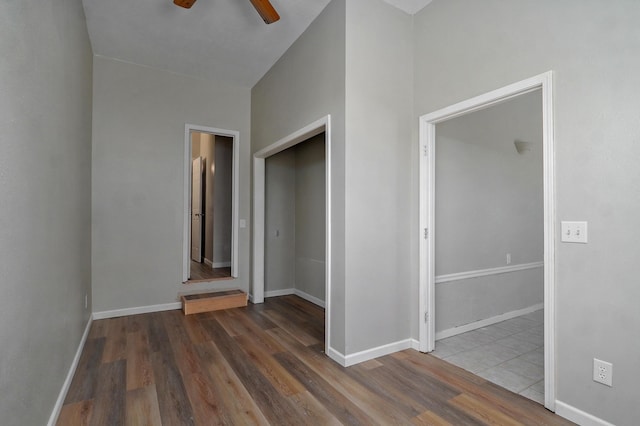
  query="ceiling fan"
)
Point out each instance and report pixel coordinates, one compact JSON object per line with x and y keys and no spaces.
{"x":264,"y":8}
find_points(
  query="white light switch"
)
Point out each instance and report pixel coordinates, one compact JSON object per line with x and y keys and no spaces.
{"x":243,"y":223}
{"x":574,"y":232}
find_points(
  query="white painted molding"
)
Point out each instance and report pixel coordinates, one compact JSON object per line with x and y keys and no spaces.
{"x":72,"y":370}
{"x":578,"y":416}
{"x":281,"y":292}
{"x":221,"y":265}
{"x":486,"y":322}
{"x":415,"y":344}
{"x":309,"y":298}
{"x":379,"y":351}
{"x":137,"y":310}
{"x":208,"y":262}
{"x":484,"y":272}
{"x":337,"y":356}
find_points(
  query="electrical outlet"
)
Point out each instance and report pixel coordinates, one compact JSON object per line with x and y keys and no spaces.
{"x":574,"y":232}
{"x":602,"y":372}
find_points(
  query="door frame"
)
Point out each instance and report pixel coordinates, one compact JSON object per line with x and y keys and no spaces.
{"x":186,"y":246}
{"x":427,"y":153}
{"x":198,"y":161}
{"x":259,"y":203}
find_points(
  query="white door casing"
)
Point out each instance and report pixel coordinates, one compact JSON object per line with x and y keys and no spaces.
{"x":427,"y":153}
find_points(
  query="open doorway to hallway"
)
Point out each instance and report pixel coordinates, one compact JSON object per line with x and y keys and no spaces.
{"x":210,"y":204}
{"x":487,"y":208}
{"x":311,"y":256}
{"x":489,"y":244}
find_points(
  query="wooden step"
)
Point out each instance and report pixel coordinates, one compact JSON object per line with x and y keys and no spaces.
{"x":213,"y":301}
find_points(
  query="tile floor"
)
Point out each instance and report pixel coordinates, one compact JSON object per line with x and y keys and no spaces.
{"x":509,"y":353}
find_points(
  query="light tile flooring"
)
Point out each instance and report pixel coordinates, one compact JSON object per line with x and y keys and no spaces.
{"x":509,"y":353}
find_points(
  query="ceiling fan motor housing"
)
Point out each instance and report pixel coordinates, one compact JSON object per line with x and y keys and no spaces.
{"x":184,"y":3}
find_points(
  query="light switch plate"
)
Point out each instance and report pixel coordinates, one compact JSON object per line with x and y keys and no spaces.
{"x":574,"y":232}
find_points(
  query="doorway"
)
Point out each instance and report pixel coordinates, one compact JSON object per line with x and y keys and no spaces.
{"x":210,"y":211}
{"x":259,"y":212}
{"x":429,"y":226}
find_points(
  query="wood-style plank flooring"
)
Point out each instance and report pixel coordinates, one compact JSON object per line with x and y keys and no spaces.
{"x":203,"y":272}
{"x":265,"y":364}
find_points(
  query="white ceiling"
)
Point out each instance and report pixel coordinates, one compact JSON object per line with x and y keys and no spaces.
{"x":221,"y":40}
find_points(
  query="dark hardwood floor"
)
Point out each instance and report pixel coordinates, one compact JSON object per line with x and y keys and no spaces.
{"x":203,"y":272}
{"x":265,"y":364}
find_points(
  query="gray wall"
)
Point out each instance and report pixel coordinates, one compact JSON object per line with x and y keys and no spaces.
{"x":306,"y":84}
{"x":345,"y":66}
{"x":138,"y":165}
{"x":310,"y":226}
{"x":222,"y":200}
{"x":45,"y":188}
{"x":378,"y":185}
{"x":493,"y":43}
{"x":488,"y":204}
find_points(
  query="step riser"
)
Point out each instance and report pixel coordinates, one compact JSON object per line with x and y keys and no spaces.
{"x":213,"y":303}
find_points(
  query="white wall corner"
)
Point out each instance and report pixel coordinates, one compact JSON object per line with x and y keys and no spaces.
{"x":578,"y":416}
{"x":309,"y":298}
{"x":72,"y":371}
{"x":415,"y":344}
{"x":337,"y":356}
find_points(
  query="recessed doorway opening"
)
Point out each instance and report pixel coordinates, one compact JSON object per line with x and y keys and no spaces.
{"x":259,"y":212}
{"x":429,"y":228}
{"x":210,"y":204}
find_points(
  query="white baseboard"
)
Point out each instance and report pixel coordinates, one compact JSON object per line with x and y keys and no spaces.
{"x":484,"y":272}
{"x":72,"y":371}
{"x":337,"y":356}
{"x":578,"y":416}
{"x":379,"y":351}
{"x":309,"y":298}
{"x":488,"y":321}
{"x":221,"y":264}
{"x":415,"y":344}
{"x":137,"y":310}
{"x":276,"y":293}
{"x":208,"y":262}
{"x":299,"y":293}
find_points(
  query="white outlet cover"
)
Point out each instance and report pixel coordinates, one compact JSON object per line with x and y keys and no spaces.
{"x":603,"y":372}
{"x":574,"y":232}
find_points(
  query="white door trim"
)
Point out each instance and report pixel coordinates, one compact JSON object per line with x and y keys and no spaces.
{"x":188,"y":128}
{"x":427,"y":220}
{"x":313,"y":129}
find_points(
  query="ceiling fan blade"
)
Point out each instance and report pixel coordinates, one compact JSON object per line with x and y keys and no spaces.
{"x":265,"y":9}
{"x":184,"y":3}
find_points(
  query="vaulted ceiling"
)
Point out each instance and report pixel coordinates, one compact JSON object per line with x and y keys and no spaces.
{"x":221,"y":40}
